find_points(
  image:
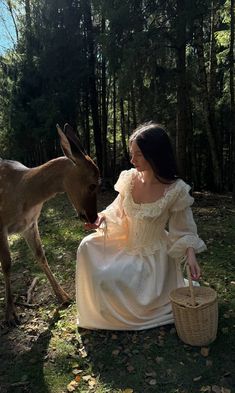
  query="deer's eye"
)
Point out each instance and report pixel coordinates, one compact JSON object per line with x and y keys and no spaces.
{"x":92,"y":187}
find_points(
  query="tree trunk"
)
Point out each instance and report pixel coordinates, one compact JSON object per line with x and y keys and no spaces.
{"x":84,"y":119}
{"x":104,"y":106}
{"x":87,"y":125}
{"x":123,"y":132}
{"x":114,"y":127}
{"x":232,"y":103}
{"x":212,"y":85}
{"x":9,"y":5}
{"x":92,"y":82}
{"x":28,"y":33}
{"x":216,"y":174}
{"x":133,"y":107}
{"x":184,"y":124}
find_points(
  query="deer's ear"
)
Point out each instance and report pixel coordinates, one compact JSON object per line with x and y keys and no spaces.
{"x":75,"y":143}
{"x":67,"y":146}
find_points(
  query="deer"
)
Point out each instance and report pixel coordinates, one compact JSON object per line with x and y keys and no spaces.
{"x":23,"y":192}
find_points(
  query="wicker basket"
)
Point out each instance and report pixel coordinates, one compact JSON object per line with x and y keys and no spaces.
{"x":195,"y":311}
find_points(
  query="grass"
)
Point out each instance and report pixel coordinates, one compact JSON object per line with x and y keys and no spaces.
{"x":46,"y":353}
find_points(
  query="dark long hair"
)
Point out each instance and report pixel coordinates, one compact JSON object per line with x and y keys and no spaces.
{"x":156,"y":148}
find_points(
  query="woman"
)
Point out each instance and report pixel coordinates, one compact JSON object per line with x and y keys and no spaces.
{"x":128,"y":267}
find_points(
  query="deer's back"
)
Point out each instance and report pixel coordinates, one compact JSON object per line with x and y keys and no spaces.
{"x":13,"y":200}
{"x":11,"y":175}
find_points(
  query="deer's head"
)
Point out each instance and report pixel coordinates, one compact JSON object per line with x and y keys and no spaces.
{"x":82,"y":178}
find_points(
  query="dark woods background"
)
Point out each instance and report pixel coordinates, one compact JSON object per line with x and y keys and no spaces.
{"x":105,"y":66}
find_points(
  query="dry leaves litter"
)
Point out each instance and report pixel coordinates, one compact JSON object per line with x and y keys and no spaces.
{"x":214,"y":389}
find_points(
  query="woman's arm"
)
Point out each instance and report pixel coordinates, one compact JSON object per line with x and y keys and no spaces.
{"x":193,"y":264}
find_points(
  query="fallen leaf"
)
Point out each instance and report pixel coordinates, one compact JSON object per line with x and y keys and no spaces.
{"x":116,"y":352}
{"x":83,"y":352}
{"x":75,"y":365}
{"x":86,"y":377}
{"x":72,"y":386}
{"x":128,"y":390}
{"x":197,"y":378}
{"x":152,"y":382}
{"x":209,"y":363}
{"x":216,"y":389}
{"x":130,"y":368}
{"x":205,"y":389}
{"x":78,"y":378}
{"x":225,"y":390}
{"x":226,"y":374}
{"x":114,"y":337}
{"x":205,"y":351}
{"x":77,"y":371}
{"x":159,"y":359}
{"x":92,"y":382}
{"x":150,"y":374}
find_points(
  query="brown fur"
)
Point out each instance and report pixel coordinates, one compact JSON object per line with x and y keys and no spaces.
{"x":22,"y":194}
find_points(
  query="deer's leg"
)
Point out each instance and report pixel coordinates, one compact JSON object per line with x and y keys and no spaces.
{"x":5,"y":257}
{"x":33,"y":239}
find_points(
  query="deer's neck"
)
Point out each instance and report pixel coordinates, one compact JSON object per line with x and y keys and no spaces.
{"x":45,"y":181}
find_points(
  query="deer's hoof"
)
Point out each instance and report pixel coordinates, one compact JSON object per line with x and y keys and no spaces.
{"x":64,"y":299}
{"x":66,"y":302}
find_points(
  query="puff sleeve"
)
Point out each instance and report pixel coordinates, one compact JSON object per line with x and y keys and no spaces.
{"x":124,"y":181}
{"x":182,"y":228}
{"x":114,"y":212}
{"x":115,"y":218}
{"x":115,"y":209}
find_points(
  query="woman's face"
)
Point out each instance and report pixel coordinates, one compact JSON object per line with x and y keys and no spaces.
{"x":137,"y":158}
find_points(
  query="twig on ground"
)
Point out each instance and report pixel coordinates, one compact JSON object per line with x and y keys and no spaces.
{"x":20,"y":383}
{"x":31,"y":289}
{"x":28,"y":305}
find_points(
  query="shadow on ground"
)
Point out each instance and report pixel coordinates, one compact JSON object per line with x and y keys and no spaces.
{"x":23,"y":366}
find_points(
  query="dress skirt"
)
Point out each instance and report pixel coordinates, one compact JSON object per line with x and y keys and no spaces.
{"x":119,"y":291}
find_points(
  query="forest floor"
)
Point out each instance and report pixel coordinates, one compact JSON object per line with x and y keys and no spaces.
{"x":47,"y":354}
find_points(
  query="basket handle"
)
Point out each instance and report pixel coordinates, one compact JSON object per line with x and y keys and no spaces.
{"x":193,"y":303}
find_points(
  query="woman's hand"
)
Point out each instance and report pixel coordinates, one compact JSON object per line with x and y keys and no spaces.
{"x":95,"y":225}
{"x":193,"y":264}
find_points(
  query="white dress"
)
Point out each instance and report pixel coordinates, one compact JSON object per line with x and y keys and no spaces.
{"x":126,"y":270}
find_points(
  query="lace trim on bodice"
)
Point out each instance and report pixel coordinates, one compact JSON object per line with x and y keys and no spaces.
{"x":152,"y":209}
{"x":145,"y":225}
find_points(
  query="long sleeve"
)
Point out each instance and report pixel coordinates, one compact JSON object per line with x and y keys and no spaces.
{"x":115,"y":219}
{"x":182,"y":227}
{"x":114,"y":212}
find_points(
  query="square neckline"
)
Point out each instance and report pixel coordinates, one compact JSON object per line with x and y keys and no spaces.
{"x":167,"y":190}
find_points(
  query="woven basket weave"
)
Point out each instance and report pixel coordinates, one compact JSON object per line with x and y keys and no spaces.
{"x":195,"y":311}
